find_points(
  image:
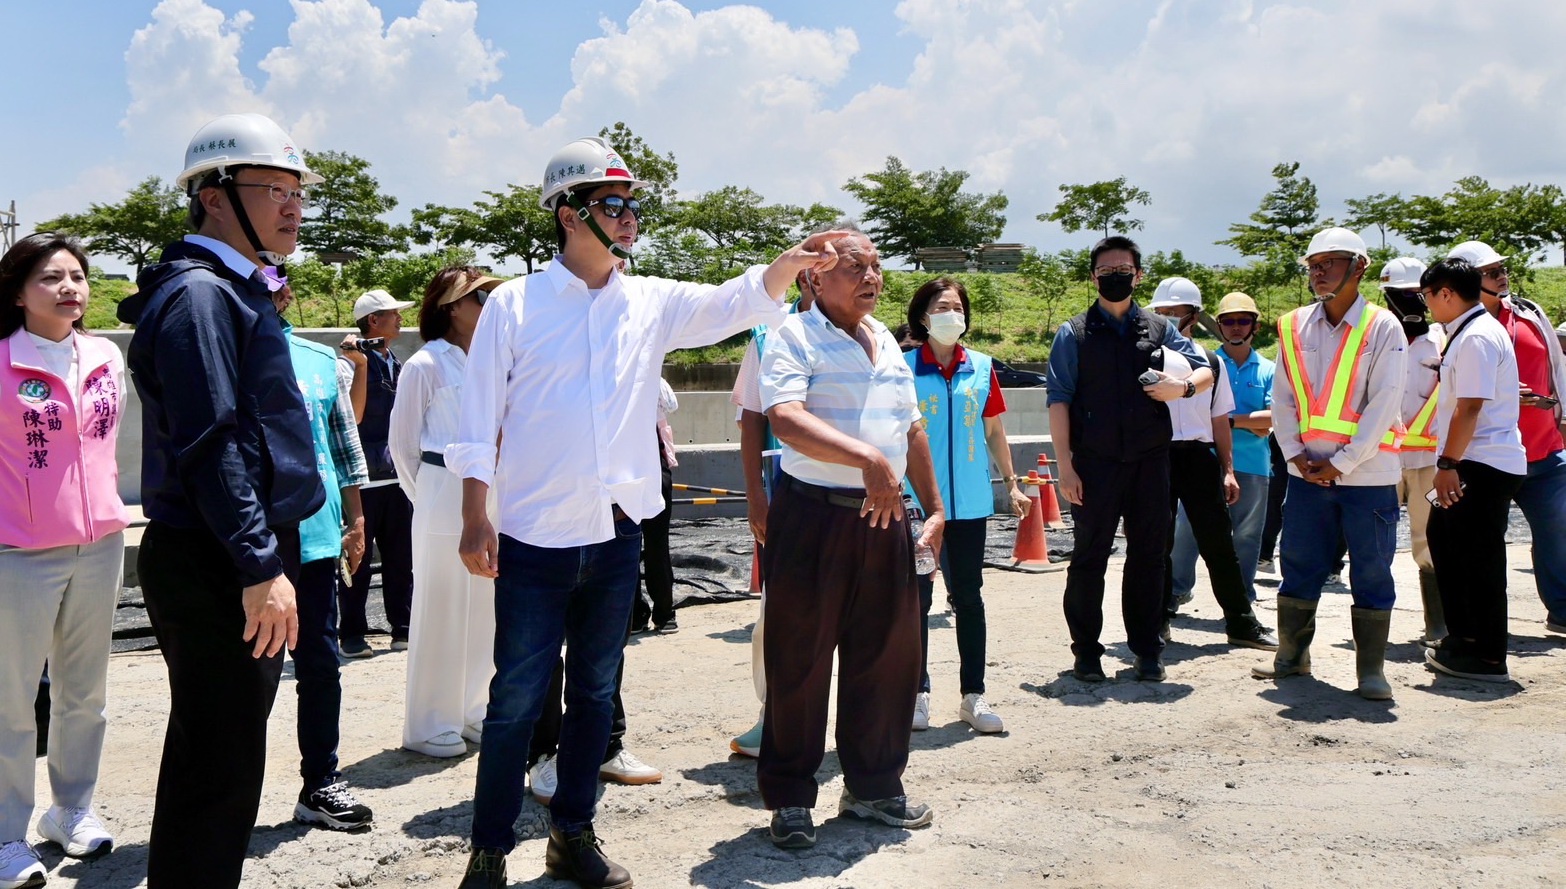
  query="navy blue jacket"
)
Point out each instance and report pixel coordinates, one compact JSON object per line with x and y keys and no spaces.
{"x":226,"y":440}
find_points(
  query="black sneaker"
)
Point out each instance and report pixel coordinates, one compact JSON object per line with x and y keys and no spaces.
{"x":669,"y":626}
{"x":1248,"y":632}
{"x":354,"y":646}
{"x":896,"y":811}
{"x":486,"y":870}
{"x":579,"y":856}
{"x":792,"y":828}
{"x":1465,"y":666}
{"x":1088,"y":669}
{"x":1149,"y":669}
{"x":333,"y":807}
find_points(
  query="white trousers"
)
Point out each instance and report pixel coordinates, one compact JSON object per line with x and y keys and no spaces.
{"x":758,"y":660}
{"x":56,"y":605}
{"x":451,"y":638}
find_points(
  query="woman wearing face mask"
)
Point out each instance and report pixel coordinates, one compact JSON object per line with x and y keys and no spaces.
{"x":960,"y":399}
{"x":62,"y":546}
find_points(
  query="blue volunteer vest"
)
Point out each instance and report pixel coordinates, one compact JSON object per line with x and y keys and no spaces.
{"x":954,"y":421}
{"x":315,"y":366}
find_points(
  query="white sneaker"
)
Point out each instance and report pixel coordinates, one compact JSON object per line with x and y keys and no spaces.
{"x":627,"y":769}
{"x":977,"y":713}
{"x":77,"y":830}
{"x":443,"y":746}
{"x":543,"y":780}
{"x":20,"y":867}
{"x":474,"y":731}
{"x":921,"y":717}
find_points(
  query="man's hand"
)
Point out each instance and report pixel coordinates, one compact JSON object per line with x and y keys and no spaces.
{"x":816,"y":253}
{"x":883,"y":493}
{"x":353,"y":544}
{"x":934,"y":532}
{"x":756,"y":512}
{"x":1020,"y":502}
{"x":1069,"y":485}
{"x":1166,"y":389}
{"x":1321,"y":472}
{"x":271,"y":617}
{"x":479,"y":548}
{"x":351,"y":352}
{"x":1231,"y":488}
{"x":1448,"y":487}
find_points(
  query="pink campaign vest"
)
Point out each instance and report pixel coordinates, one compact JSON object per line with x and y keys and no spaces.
{"x":59,"y":483}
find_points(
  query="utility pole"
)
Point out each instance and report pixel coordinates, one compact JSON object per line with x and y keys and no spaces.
{"x":8,"y":227}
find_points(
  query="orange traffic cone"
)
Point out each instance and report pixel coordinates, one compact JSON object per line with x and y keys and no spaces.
{"x":1031,"y":549}
{"x":1047,"y":499}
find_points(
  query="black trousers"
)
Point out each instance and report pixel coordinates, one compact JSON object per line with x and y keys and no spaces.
{"x":1277,"y":488}
{"x":1468,"y":546}
{"x":214,"y":752}
{"x":1196,"y":481}
{"x":657,"y":564}
{"x":1137,"y":492}
{"x":388,"y":527}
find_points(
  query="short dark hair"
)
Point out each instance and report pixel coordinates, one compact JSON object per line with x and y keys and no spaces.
{"x":18,"y":265}
{"x":435,"y":320}
{"x":1457,"y":275}
{"x":1115,"y":242}
{"x":919,"y":306}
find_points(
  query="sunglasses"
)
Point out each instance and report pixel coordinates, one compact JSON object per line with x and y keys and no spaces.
{"x":1236,"y":322}
{"x":614,"y":206}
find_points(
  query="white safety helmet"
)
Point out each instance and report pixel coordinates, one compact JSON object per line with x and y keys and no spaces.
{"x":235,"y":140}
{"x":1176,"y":292}
{"x":587,"y":161}
{"x":1477,"y":253}
{"x":1402,"y":273}
{"x":1335,"y":240}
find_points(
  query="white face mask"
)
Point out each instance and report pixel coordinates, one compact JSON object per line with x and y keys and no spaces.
{"x":946,"y":327}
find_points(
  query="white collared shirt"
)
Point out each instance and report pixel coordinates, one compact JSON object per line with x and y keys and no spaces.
{"x":809,"y":359}
{"x":1424,"y":358}
{"x":1480,"y":362}
{"x":568,"y":384}
{"x":424,"y":416}
{"x":1377,"y":394}
{"x":1191,"y":419}
{"x":236,"y":261}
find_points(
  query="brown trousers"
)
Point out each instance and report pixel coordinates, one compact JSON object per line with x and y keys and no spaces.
{"x":833,"y":582}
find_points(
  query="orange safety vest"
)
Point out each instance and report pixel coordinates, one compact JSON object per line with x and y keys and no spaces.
{"x":1420,"y":436}
{"x":1325,"y":415}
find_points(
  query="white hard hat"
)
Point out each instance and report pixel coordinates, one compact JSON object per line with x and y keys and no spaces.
{"x":1176,"y":292}
{"x":376,"y":301}
{"x":1403,"y":273}
{"x":587,"y":161}
{"x":242,"y":140}
{"x":1477,"y":253}
{"x":1335,"y":240}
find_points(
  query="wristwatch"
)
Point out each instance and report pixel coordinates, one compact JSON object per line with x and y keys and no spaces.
{"x":1444,"y":463}
{"x":1190,"y":389}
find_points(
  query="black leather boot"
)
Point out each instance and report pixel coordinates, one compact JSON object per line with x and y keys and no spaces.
{"x":579,"y":856}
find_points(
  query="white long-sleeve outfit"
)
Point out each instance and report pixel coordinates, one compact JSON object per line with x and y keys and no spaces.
{"x":451,"y":637}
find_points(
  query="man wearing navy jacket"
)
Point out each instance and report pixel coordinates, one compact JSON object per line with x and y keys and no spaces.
{"x":228,"y":471}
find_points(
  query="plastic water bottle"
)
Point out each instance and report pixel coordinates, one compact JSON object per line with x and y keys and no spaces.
{"x":924,"y":556}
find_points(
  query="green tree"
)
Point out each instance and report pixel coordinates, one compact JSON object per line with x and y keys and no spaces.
{"x":507,"y":225}
{"x":1380,"y":211}
{"x":151,"y":216}
{"x":345,"y":210}
{"x":1046,"y":278}
{"x":659,"y":171}
{"x":1100,"y":205}
{"x":908,"y":210}
{"x":1280,"y":229}
{"x":1552,"y":207}
{"x":735,"y":227}
{"x":1174,"y":264}
{"x":1515,"y":221}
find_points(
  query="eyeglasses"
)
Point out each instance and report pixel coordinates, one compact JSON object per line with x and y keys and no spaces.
{"x":280,"y":194}
{"x":1236,"y":322}
{"x":1323,"y":265}
{"x":1124,"y":269}
{"x":614,"y":206}
{"x":1496,"y":273}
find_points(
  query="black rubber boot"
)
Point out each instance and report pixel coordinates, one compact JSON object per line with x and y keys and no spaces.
{"x":1435,"y":615}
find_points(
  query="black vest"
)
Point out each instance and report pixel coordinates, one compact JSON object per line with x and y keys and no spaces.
{"x":375,"y":428}
{"x":1111,"y":417}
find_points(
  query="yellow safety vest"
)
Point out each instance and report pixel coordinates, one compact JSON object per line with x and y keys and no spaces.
{"x":1420,"y":436}
{"x":1325,"y":415}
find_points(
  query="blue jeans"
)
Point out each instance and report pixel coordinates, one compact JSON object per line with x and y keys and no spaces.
{"x":1542,"y":498}
{"x":1315,"y":519}
{"x":578,"y":595}
{"x":1248,"y":515}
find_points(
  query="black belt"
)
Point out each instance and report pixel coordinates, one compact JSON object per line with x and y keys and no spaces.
{"x":434,"y":458}
{"x":853,"y":498}
{"x":1191,"y":445}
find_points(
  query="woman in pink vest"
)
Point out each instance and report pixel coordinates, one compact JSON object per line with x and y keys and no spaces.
{"x":61,"y":546}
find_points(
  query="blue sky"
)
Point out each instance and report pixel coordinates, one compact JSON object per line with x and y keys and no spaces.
{"x":1193,"y":101}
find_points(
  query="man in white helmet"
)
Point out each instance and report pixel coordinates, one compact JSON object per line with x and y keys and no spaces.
{"x":1417,"y":453}
{"x":1335,"y":405}
{"x":228,"y":472}
{"x":559,"y":412}
{"x":1202,"y":485}
{"x":1542,"y":369}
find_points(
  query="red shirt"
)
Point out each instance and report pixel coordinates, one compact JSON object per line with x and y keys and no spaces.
{"x":995,"y":405}
{"x":1541,"y":436}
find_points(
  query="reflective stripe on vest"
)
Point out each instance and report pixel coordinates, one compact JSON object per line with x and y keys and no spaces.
{"x":1325,"y":415}
{"x":1420,"y":437}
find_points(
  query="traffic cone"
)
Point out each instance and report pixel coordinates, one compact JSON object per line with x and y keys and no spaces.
{"x":1047,"y":499}
{"x":1031,"y":549}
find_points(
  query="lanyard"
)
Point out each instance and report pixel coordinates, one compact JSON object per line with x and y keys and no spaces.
{"x":1452,"y":338}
